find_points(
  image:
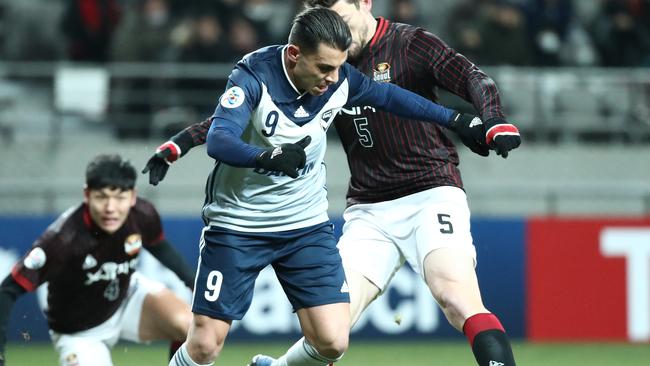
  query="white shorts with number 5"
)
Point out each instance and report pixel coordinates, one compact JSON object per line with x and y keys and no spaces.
{"x":378,"y":237}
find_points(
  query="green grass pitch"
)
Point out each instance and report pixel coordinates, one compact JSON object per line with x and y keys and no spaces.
{"x":370,"y":354}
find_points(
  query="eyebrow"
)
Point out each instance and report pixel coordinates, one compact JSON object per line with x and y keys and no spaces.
{"x":326,"y":67}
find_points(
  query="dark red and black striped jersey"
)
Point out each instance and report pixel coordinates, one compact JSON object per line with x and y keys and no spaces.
{"x":390,"y":157}
{"x":87,"y":270}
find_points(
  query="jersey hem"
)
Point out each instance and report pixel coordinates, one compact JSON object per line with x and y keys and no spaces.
{"x":293,"y":226}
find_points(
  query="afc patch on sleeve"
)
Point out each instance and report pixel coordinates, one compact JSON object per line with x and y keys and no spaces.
{"x":35,"y":259}
{"x":233,"y":97}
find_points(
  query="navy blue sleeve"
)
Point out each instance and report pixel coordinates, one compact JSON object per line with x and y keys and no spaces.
{"x":393,"y":99}
{"x":230,"y":119}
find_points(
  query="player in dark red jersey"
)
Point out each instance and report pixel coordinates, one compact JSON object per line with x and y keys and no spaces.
{"x":88,"y":257}
{"x":405,"y":177}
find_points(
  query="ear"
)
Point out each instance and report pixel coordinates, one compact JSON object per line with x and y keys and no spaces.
{"x":366,"y":4}
{"x":293,"y":53}
{"x":86,"y":194}
{"x":134,"y":197}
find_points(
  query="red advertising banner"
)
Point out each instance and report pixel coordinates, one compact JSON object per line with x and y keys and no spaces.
{"x":588,"y":279}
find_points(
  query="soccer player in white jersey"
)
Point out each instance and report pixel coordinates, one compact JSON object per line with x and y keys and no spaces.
{"x":266,"y":199}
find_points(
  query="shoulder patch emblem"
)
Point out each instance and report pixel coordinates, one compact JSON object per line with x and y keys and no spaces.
{"x":133,"y":244}
{"x":233,"y":97}
{"x":381,"y":73}
{"x":35,"y":259}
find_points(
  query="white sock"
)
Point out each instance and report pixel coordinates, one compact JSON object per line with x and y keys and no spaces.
{"x":182,"y":358}
{"x":302,"y":353}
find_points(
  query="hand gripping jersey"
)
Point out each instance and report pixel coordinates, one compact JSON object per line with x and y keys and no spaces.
{"x":262,"y":104}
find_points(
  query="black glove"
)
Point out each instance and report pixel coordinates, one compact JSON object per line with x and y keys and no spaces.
{"x":166,"y":154}
{"x":501,"y":136}
{"x":470,"y":130}
{"x":286,"y":158}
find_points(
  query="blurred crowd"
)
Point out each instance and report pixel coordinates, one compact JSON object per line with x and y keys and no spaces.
{"x":613,"y":33}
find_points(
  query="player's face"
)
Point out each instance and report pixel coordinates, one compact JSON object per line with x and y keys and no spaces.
{"x":315,"y":72}
{"x":109,"y":207}
{"x":358,"y":21}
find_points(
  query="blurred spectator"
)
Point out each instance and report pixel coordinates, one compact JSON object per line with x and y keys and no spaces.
{"x":260,"y":13}
{"x":490,"y":33}
{"x":29,"y":30}
{"x":463,"y":29}
{"x":503,"y":34}
{"x":206,"y":42}
{"x":144,"y":34}
{"x":244,"y":36}
{"x":88,"y":26}
{"x":621,"y":36}
{"x":548,"y":24}
{"x":405,"y":11}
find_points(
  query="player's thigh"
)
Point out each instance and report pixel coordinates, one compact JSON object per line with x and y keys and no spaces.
{"x":133,"y":307}
{"x":366,"y":248}
{"x":229,"y":263}
{"x":81,"y":351}
{"x":164,"y":316}
{"x":442,"y":222}
{"x":326,"y":325}
{"x":451,"y":277}
{"x":310,"y":270}
{"x":362,"y":293}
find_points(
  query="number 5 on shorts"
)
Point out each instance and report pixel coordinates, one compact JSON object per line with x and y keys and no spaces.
{"x":215,"y":279}
{"x":443,"y":219}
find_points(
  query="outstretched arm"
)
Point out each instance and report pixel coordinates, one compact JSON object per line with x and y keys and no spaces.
{"x":455,"y":73}
{"x":495,"y":133}
{"x":175,"y":148}
{"x":10,"y":290}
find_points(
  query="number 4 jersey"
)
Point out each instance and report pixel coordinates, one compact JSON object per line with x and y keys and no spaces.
{"x":87,"y":270}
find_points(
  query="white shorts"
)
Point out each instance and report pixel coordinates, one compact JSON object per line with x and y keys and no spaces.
{"x":378,"y":237}
{"x":91,"y":347}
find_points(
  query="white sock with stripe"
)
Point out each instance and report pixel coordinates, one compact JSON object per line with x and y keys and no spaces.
{"x":302,"y":353}
{"x":182,"y":358}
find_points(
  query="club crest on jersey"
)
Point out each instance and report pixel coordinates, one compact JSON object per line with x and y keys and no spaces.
{"x":233,"y":97}
{"x":133,"y":244}
{"x":71,"y":360}
{"x":326,"y":119}
{"x":35,"y":259}
{"x":381,"y":72}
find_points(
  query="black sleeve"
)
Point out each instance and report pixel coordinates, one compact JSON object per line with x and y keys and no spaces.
{"x":10,"y":290}
{"x":172,"y":259}
{"x":192,"y":136}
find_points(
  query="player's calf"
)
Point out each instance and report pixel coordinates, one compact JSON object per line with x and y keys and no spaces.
{"x":490,"y":344}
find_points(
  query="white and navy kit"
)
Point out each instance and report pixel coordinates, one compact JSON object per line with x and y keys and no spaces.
{"x":257,"y":217}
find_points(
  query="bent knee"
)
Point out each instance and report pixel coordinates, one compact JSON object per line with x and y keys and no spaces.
{"x":202,"y":350}
{"x":332,"y":347}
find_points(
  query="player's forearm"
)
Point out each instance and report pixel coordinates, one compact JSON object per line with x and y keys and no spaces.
{"x":411,"y":105}
{"x":485,"y":96}
{"x":171,"y":258}
{"x":10,"y":290}
{"x":225,"y":145}
{"x":199,"y":132}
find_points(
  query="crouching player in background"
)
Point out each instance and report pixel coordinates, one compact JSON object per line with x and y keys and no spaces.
{"x":88,"y":258}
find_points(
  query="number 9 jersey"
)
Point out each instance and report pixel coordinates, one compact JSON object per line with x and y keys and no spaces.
{"x":264,"y":107}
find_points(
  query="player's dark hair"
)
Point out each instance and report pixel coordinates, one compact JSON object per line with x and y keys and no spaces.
{"x":314,"y":26}
{"x":110,"y":171}
{"x":328,"y":3}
